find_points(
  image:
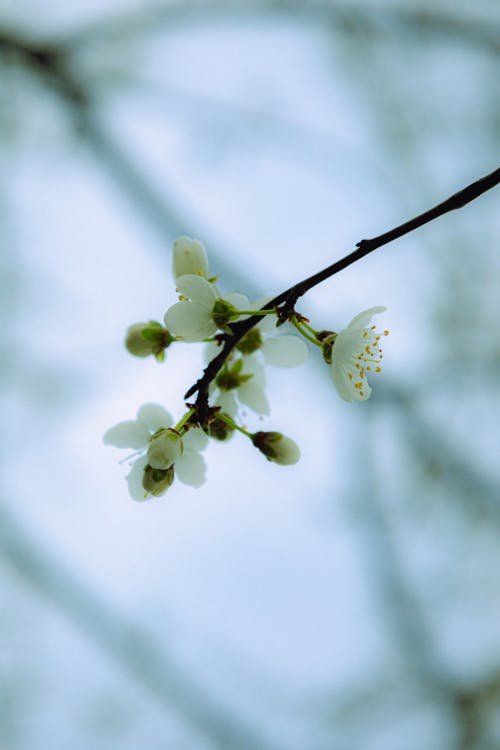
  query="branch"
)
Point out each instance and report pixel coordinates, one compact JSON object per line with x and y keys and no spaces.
{"x":348,"y":15}
{"x":132,"y":648}
{"x":285,"y":302}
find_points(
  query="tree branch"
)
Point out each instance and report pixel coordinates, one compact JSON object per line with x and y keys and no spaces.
{"x":285,"y":302}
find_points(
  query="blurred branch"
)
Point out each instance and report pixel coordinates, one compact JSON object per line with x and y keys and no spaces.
{"x":53,"y":66}
{"x":349,"y":15}
{"x":474,"y":489}
{"x":132,"y":648}
{"x":399,"y":605}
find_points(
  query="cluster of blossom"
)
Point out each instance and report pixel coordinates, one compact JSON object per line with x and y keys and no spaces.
{"x":163,"y":449}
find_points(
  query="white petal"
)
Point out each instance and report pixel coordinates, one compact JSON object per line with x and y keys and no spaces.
{"x":252,"y":394}
{"x":195,"y":439}
{"x":197,"y":289}
{"x":189,"y":258}
{"x":238,"y":299}
{"x":164,"y":450}
{"x":289,"y":452}
{"x":268,"y":324}
{"x":346,"y":386}
{"x":252,"y":366}
{"x":348,"y":345}
{"x":227,"y":402}
{"x":131,"y":434}
{"x":362,"y":319}
{"x":134,"y":480}
{"x":285,"y":351}
{"x":190,"y":321}
{"x":191,"y":469}
{"x":211,"y":350}
{"x":154,"y":417}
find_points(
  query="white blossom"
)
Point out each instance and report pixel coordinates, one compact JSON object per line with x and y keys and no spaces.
{"x":356,"y":351}
{"x":201,"y":310}
{"x":160,"y":448}
{"x":277,"y":348}
{"x":189,"y":257}
{"x":241,"y":382}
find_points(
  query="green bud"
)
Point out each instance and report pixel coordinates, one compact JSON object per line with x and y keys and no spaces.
{"x":250,"y":342}
{"x":157,"y":481}
{"x":219,"y":429}
{"x":276,"y":447}
{"x":145,"y":339}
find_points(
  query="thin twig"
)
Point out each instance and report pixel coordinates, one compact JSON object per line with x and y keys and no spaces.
{"x":285,"y":302}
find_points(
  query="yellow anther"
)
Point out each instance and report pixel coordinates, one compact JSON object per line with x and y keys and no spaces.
{"x":378,"y":369}
{"x":386,"y":333}
{"x":365,"y":334}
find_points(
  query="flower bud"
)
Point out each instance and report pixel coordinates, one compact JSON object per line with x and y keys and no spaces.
{"x":144,"y":339}
{"x":135,"y":343}
{"x":157,"y":481}
{"x":276,"y":447}
{"x":164,"y":449}
{"x":189,"y":258}
{"x":219,"y":429}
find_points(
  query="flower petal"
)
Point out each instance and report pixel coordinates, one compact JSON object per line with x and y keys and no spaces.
{"x":252,"y":366}
{"x":252,"y":394}
{"x":197,"y":289}
{"x":190,"y":321}
{"x":211,"y":350}
{"x":285,"y":351}
{"x":195,"y":439}
{"x":130,"y":434}
{"x":189,"y":258}
{"x":164,"y":449}
{"x":362,"y":319}
{"x":191,"y":469}
{"x":227,"y":402}
{"x":346,"y":386}
{"x":154,"y":417}
{"x":134,"y":480}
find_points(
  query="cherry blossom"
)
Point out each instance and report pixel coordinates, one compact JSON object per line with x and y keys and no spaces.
{"x":356,"y":351}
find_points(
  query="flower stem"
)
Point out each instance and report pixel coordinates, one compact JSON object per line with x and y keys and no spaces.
{"x":178,"y":427}
{"x":297,"y":325}
{"x":253,"y":312}
{"x":225,"y":418}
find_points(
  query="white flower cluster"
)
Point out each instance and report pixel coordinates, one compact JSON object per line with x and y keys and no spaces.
{"x":202,"y":314}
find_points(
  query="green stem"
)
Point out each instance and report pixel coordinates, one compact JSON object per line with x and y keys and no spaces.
{"x":225,"y":418}
{"x":253,"y":312}
{"x":178,"y":427}
{"x":295,"y":323}
{"x":309,"y":328}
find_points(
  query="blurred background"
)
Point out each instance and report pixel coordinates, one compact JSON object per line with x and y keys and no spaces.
{"x":350,"y":602}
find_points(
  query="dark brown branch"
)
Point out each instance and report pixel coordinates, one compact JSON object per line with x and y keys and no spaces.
{"x":285,"y":302}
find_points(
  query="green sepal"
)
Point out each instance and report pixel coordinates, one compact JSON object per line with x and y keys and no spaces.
{"x":222,"y":314}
